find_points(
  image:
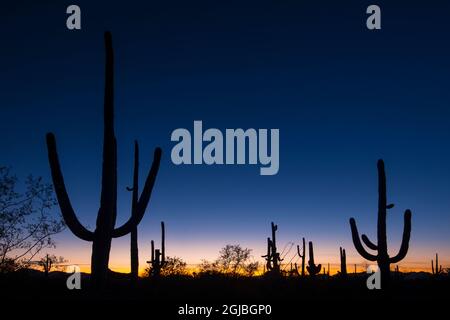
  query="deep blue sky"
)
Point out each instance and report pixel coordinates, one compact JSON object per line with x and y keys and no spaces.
{"x":341,"y":95}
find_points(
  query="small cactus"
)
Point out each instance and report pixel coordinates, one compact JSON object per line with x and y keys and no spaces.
{"x":312,"y":268}
{"x":158,"y":257}
{"x":436,"y":270}
{"x":301,"y":254}
{"x":272,"y":257}
{"x":47,"y":264}
{"x":343,"y":257}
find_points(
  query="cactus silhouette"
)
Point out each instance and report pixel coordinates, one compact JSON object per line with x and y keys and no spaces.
{"x":343,"y":259}
{"x":47,"y":264}
{"x":312,"y":268}
{"x":272,"y":257}
{"x":301,"y":254}
{"x":134,"y":250}
{"x":382,"y":257}
{"x":105,"y":229}
{"x":436,"y":270}
{"x":158,"y":257}
{"x":325,"y":271}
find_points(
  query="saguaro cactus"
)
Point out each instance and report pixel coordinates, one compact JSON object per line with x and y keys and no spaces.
{"x":382,"y":257}
{"x":272,"y":257}
{"x":438,"y":269}
{"x":106,"y":218}
{"x":301,"y":254}
{"x":158,"y":257}
{"x":47,"y":264}
{"x":343,"y":257}
{"x":134,"y":250}
{"x":312,"y":268}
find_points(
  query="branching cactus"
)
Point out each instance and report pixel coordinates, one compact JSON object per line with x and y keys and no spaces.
{"x":105,"y":229}
{"x":436,"y":270}
{"x":158,"y":257}
{"x":272,"y":257}
{"x":312,"y":268}
{"x":301,"y":254}
{"x":343,"y":257}
{"x":382,"y":257}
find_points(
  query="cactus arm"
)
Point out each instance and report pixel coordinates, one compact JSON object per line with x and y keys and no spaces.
{"x":143,"y":200}
{"x":357,"y":242}
{"x":67,"y":211}
{"x":298,"y":251}
{"x":405,"y":240}
{"x":369,"y":243}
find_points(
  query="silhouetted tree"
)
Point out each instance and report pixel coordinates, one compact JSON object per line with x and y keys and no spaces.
{"x":50,"y":261}
{"x":174,"y":266}
{"x":27,"y":222}
{"x":233,"y":260}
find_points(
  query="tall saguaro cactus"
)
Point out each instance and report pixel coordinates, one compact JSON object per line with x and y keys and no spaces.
{"x":272,"y":257}
{"x":105,"y":229}
{"x":382,"y":257}
{"x":302,"y":256}
{"x":312,"y":268}
{"x":158,"y":257}
{"x":343,"y":259}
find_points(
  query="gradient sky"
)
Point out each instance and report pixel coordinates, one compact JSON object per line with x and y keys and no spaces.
{"x":342,"y":97}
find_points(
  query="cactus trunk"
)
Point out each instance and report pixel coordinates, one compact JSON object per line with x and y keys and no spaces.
{"x":343,"y":257}
{"x":134,"y":250}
